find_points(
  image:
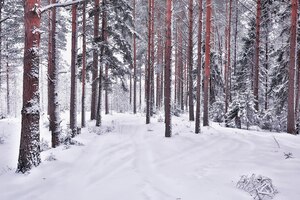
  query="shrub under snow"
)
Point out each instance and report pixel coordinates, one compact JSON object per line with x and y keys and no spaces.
{"x":259,"y":187}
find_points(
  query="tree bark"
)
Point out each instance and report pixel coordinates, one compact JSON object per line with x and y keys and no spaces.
{"x":95,"y":62}
{"x":197,"y":125}
{"x":73,"y":97}
{"x":29,"y":153}
{"x":228,"y":66}
{"x":83,"y":122}
{"x":190,"y":61}
{"x":148,"y":75}
{"x":207,"y":63}
{"x":7,"y":82}
{"x":134,"y":58}
{"x":102,"y":65}
{"x":256,"y":55}
{"x":291,"y":89}
{"x":53,"y":84}
{"x":49,"y":58}
{"x":168,"y":77}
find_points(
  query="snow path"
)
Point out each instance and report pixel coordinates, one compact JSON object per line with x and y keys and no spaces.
{"x":133,"y":161}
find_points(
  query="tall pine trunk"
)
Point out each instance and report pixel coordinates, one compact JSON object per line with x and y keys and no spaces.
{"x":207,"y":63}
{"x":95,"y":62}
{"x":148,"y":75}
{"x":102,"y":65}
{"x":228,"y":65}
{"x":8,"y":111}
{"x":29,"y":153}
{"x":83,"y":122}
{"x":291,"y":87}
{"x":190,"y":61}
{"x":256,"y":55}
{"x":134,"y":59}
{"x":73,"y":96}
{"x":53,"y":85}
{"x":168,"y":77}
{"x":198,"y":103}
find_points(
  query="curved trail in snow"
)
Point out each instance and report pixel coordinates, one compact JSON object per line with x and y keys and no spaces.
{"x":136,"y":162}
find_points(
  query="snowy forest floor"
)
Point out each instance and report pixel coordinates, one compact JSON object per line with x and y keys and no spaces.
{"x":128,"y":160}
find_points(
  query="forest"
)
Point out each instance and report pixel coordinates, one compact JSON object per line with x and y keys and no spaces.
{"x":169,"y":82}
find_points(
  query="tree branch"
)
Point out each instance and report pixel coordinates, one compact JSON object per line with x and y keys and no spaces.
{"x":56,"y":5}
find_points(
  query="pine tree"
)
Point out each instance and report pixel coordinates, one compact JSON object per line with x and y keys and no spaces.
{"x":29,"y":154}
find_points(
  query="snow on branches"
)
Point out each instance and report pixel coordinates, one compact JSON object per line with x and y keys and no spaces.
{"x":259,"y":187}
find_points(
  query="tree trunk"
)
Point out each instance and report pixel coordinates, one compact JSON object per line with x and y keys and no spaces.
{"x":181,"y":74}
{"x":227,"y":66}
{"x":168,"y":77}
{"x":148,"y":75}
{"x":207,"y":62}
{"x":1,"y":5}
{"x":152,"y":61}
{"x":49,"y":58}
{"x":7,"y":81}
{"x":83,"y":123}
{"x":29,"y":153}
{"x":256,"y":55}
{"x":73,"y":97}
{"x":197,"y":125}
{"x":95,"y":62}
{"x":102,"y":54}
{"x":190,"y":61}
{"x":291,"y":89}
{"x":53,"y":85}
{"x":106,"y":77}
{"x":134,"y":59}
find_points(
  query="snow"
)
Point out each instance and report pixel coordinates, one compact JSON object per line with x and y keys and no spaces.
{"x":126,"y":159}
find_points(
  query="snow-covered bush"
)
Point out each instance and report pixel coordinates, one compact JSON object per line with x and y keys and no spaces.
{"x":217,"y":110}
{"x":259,"y":187}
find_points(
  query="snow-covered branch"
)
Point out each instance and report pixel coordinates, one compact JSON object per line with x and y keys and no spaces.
{"x":65,"y":4}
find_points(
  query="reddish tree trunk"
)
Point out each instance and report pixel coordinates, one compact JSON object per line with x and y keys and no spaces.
{"x":83,"y":123}
{"x":29,"y":153}
{"x":197,"y":125}
{"x":95,"y":63}
{"x":168,"y":77}
{"x":291,"y":89}
{"x":256,"y":55}
{"x":190,"y":62}
{"x":207,"y":62}
{"x":73,"y":96}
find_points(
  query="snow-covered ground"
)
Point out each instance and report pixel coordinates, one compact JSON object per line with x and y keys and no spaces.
{"x":129,"y":160}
